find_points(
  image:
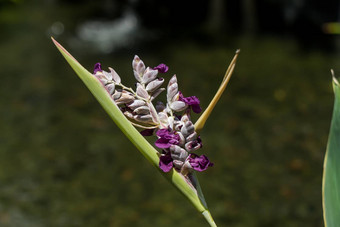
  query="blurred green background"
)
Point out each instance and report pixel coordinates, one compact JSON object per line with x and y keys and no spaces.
{"x":64,"y":163}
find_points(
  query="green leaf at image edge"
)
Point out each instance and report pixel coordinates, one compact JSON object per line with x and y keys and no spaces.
{"x":149,"y":152}
{"x":331,"y":175}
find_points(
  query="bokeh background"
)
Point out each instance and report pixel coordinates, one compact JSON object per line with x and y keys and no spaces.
{"x":63,"y":162}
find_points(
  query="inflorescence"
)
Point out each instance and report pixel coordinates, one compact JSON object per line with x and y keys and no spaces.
{"x":171,"y":122}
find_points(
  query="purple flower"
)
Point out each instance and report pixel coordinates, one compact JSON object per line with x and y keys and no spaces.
{"x":165,"y":162}
{"x":199,"y":163}
{"x":191,"y":101}
{"x":162,"y":68}
{"x":194,"y":144}
{"x":166,"y":138}
{"x":97,"y":67}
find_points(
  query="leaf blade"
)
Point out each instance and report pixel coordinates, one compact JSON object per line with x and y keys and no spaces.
{"x":331,"y":175}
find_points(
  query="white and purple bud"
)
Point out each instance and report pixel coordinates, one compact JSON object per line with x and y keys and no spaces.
{"x":142,"y":110}
{"x":153,"y":113}
{"x":192,"y":146}
{"x":155,"y":84}
{"x":149,"y":75}
{"x":116,"y":95}
{"x":125,"y":98}
{"x":172,"y":89}
{"x":178,"y":153}
{"x":128,"y":114}
{"x":136,"y":103}
{"x":178,"y":106}
{"x":102,"y":77}
{"x":140,"y":90}
{"x":138,"y":68}
{"x":143,"y":118}
{"x":163,"y":118}
{"x":191,"y":137}
{"x":115,"y":76}
{"x":97,"y":68}
{"x":110,"y":88}
{"x":187,"y":129}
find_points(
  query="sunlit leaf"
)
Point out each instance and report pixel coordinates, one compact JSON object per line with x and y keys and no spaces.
{"x":331,"y":176}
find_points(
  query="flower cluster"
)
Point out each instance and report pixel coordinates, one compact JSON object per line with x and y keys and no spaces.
{"x":171,"y":122}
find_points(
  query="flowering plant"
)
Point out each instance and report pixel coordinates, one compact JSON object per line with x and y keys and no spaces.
{"x":171,"y":121}
{"x":177,"y":137}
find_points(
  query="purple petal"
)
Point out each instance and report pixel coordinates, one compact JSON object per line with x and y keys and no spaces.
{"x":199,"y":163}
{"x":162,"y":132}
{"x":147,"y":132}
{"x":173,"y":141}
{"x":192,"y":101}
{"x":97,"y":67}
{"x":162,"y":68}
{"x":196,"y":108}
{"x":162,"y":143}
{"x":165,"y":162}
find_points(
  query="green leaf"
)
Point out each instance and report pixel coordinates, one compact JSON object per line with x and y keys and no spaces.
{"x":331,"y":175}
{"x":188,"y":186}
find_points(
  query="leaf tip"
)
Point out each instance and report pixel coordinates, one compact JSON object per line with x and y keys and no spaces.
{"x":335,"y":81}
{"x":62,"y":49}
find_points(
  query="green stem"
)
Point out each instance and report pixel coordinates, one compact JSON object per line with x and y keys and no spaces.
{"x":209,"y":218}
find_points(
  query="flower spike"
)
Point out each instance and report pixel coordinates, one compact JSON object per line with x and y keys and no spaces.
{"x":204,"y":117}
{"x":177,"y":141}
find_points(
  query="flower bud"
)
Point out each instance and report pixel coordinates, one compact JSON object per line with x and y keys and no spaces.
{"x":192,"y":146}
{"x":125,"y":98}
{"x":185,"y":118}
{"x":163,"y":117}
{"x":138,"y":68}
{"x":115,"y":76}
{"x":142,"y":110}
{"x":107,"y":75}
{"x":172,"y":88}
{"x":116,"y":95}
{"x":110,"y":88}
{"x":149,"y":75}
{"x":153,"y":112}
{"x":178,"y":106}
{"x":187,"y":129}
{"x":135,"y":61}
{"x":128,"y":114}
{"x":102,"y":78}
{"x":155,"y":84}
{"x":173,"y":80}
{"x":171,"y":92}
{"x":141,"y":91}
{"x":181,"y":138}
{"x":143,"y":118}
{"x":178,"y":153}
{"x":191,"y":137}
{"x":136,"y":103}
